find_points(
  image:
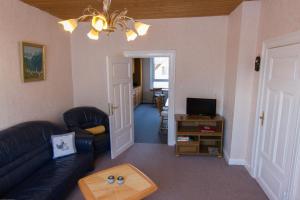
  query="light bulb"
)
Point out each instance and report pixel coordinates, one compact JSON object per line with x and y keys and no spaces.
{"x":131,"y":35}
{"x":141,"y":28}
{"x":69,"y":25}
{"x":99,"y":22}
{"x":93,"y":34}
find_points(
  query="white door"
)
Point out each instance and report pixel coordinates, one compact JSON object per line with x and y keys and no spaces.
{"x":278,"y":131}
{"x":120,"y":104}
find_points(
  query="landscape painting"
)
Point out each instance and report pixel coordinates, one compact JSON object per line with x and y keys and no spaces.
{"x":33,"y":62}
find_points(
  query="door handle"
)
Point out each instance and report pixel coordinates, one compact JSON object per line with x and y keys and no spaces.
{"x":115,"y":107}
{"x":262,"y":118}
{"x":111,"y":108}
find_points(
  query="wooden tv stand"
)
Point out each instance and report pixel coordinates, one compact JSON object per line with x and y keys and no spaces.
{"x":204,"y":134}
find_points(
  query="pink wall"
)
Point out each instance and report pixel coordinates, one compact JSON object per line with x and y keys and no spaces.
{"x":245,"y":77}
{"x":200,"y":45}
{"x":241,"y":51}
{"x":278,"y":17}
{"x":232,"y":53}
{"x":44,"y":100}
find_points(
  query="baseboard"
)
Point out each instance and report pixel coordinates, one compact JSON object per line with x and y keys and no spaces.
{"x":226,"y":156}
{"x":249,"y":169}
{"x":231,"y":161}
{"x":240,"y":162}
{"x":237,"y":162}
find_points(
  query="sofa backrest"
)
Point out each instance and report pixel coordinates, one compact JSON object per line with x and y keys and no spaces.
{"x":85,"y":117}
{"x":23,"y":149}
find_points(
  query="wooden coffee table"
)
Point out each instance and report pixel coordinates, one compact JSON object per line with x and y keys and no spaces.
{"x":136,"y":184}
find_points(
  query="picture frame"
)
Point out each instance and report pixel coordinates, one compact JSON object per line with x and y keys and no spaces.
{"x":32,"y":62}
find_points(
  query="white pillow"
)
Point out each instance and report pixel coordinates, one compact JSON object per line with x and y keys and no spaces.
{"x":63,"y":144}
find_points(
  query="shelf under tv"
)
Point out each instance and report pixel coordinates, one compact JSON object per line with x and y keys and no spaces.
{"x":202,"y":142}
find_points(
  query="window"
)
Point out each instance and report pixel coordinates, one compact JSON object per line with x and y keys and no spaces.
{"x":160,"y":72}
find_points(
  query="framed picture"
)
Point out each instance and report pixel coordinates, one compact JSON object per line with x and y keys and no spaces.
{"x":32,"y":62}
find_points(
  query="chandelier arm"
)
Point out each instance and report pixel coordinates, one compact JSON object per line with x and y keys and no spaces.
{"x":129,"y":18}
{"x":123,"y":25}
{"x":113,"y":17}
{"x":90,"y":11}
{"x":118,"y":17}
{"x":106,"y":5}
{"x":83,"y":17}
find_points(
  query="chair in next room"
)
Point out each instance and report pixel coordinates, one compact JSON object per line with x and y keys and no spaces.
{"x":163,"y":112}
{"x":157,"y":92}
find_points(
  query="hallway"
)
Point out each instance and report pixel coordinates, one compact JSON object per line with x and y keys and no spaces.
{"x":146,"y":125}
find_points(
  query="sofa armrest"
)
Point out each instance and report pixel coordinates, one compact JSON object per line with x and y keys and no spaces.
{"x":84,"y":142}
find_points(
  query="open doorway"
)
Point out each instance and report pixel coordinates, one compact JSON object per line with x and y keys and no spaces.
{"x":121,"y":102}
{"x":170,"y":131}
{"x":150,"y":99}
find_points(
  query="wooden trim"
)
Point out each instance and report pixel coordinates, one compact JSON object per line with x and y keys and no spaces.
{"x":140,"y":9}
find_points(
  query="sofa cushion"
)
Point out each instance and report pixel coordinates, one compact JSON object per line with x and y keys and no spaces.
{"x":63,"y":144}
{"x":88,"y":125}
{"x":53,"y":179}
{"x":96,"y":130}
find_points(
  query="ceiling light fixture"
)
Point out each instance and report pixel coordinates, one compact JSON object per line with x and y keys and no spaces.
{"x":106,"y":22}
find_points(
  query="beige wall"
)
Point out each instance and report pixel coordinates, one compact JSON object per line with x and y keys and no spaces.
{"x":232,"y":53}
{"x":200,"y":45}
{"x":278,"y":17}
{"x":44,"y":100}
{"x":241,"y":51}
{"x":245,"y":76}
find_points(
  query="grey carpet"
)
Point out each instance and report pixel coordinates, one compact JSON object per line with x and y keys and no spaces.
{"x":147,"y":125}
{"x":185,"y":177}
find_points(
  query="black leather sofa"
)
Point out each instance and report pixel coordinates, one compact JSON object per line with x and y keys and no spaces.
{"x":27,"y":170}
{"x":80,"y":118}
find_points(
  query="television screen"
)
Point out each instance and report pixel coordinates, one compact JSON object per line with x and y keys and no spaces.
{"x":197,"y":106}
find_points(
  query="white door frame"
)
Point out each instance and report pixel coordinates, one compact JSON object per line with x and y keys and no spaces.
{"x":163,"y":53}
{"x":289,"y":39}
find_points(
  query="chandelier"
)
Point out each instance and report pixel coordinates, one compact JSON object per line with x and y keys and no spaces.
{"x":106,"y":22}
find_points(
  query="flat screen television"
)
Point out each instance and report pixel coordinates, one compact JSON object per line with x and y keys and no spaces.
{"x":198,"y":106}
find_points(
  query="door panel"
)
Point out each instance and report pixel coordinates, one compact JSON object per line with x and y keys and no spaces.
{"x":281,"y":139}
{"x":268,"y":180}
{"x":120,"y":102}
{"x":270,"y":121}
{"x":279,"y":131}
{"x":122,"y":139}
{"x":127,"y":112}
{"x":117,"y":102}
{"x":283,"y":73}
{"x":120,"y":72}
